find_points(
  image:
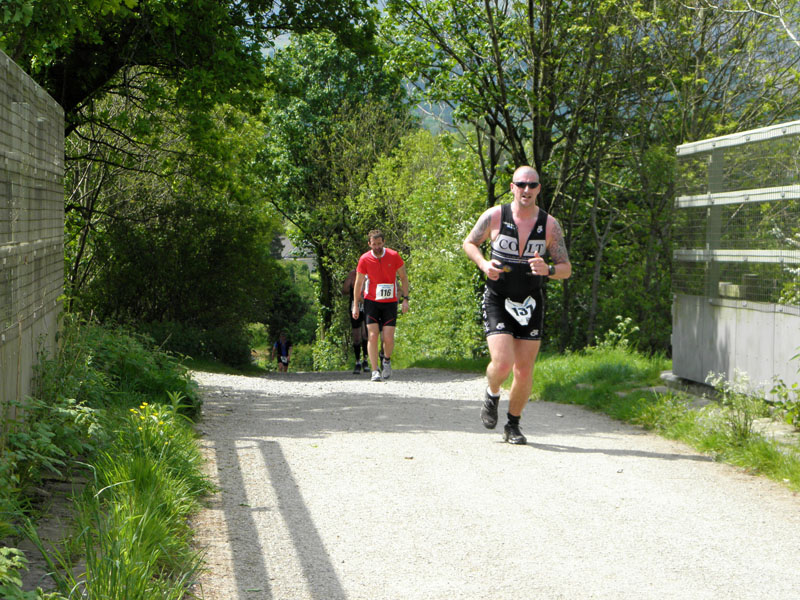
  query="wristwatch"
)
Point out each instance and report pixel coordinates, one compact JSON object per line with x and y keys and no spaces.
{"x":551,"y":270}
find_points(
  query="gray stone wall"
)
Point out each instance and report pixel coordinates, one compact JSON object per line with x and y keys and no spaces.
{"x":31,"y":227}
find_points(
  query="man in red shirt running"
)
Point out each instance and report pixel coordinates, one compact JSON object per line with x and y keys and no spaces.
{"x":377,"y":274}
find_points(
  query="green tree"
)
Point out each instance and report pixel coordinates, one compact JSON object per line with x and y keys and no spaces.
{"x":160,"y":234}
{"x":211,"y":51}
{"x":709,"y":73}
{"x":523,"y":76}
{"x":538,"y":83}
{"x":437,"y":184}
{"x":331,"y":114}
{"x":596,"y":95}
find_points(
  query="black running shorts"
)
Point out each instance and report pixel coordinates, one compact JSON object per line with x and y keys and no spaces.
{"x":523,"y":319}
{"x":382,"y":313}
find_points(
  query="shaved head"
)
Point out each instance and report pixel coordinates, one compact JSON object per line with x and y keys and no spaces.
{"x":525,"y":171}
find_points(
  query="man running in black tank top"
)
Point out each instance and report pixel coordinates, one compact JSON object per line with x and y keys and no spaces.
{"x":521,"y":234}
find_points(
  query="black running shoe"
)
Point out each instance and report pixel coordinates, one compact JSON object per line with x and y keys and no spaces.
{"x":489,"y":411}
{"x":357,"y":369}
{"x":513,"y":435}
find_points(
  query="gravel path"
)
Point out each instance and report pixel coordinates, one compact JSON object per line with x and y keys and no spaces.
{"x":336,"y":488}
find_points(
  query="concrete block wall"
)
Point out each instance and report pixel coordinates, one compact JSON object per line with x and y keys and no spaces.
{"x":31,"y":227}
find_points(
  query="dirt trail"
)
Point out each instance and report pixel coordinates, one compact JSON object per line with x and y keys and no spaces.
{"x":336,"y":488}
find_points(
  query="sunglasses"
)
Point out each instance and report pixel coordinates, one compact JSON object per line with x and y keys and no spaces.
{"x":523,"y":184}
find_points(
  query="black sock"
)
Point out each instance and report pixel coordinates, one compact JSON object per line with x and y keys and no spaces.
{"x":512,"y":420}
{"x":364,"y":349}
{"x":357,"y":352}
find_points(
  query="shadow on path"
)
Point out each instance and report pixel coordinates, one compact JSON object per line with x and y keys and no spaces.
{"x":279,"y":416}
{"x":249,"y":557}
{"x":616,"y":452}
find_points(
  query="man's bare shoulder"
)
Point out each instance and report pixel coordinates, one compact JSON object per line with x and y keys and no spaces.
{"x":486,"y":223}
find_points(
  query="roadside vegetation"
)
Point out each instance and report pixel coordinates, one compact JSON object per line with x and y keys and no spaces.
{"x":112,"y":414}
{"x":220,"y":131}
{"x":729,"y":422}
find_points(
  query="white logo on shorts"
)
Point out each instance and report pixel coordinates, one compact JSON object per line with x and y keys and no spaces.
{"x":521,"y":311}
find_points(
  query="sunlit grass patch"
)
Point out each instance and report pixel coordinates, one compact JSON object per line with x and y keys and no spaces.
{"x":466,"y":365}
{"x":591,"y":377}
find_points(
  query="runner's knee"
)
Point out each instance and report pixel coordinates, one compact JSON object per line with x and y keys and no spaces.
{"x":502,"y":364}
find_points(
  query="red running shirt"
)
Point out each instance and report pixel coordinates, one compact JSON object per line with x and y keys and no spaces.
{"x":381,"y":283}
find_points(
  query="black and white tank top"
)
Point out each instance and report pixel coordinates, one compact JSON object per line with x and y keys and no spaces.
{"x":517,"y":282}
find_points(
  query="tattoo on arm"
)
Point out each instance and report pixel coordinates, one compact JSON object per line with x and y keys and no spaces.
{"x":480,"y":231}
{"x":557,"y":248}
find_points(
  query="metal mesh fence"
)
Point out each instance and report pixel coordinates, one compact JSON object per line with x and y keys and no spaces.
{"x":737,"y":225}
{"x":759,"y":160}
{"x":31,"y":226}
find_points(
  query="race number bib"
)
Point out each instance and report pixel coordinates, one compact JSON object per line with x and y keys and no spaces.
{"x":384,"y":291}
{"x":521,"y":311}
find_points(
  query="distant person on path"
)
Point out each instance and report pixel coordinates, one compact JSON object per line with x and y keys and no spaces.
{"x":377,"y":274}
{"x":283,"y":350}
{"x":513,"y":305}
{"x":358,"y":326}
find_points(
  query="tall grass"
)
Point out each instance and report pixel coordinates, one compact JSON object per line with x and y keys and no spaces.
{"x":133,"y":534}
{"x":122,"y":409}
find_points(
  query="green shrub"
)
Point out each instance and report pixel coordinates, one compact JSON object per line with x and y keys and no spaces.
{"x":132,"y":520}
{"x":175,"y":337}
{"x":789,"y":399}
{"x":741,"y":405}
{"x":134,"y":517}
{"x":99,"y":366}
{"x":10,"y":496}
{"x":226,"y":344}
{"x":230,"y":345}
{"x":12,"y":561}
{"x":259,"y":335}
{"x":160,"y":432}
{"x":122,"y":406}
{"x":328,"y":352}
{"x":619,"y":337}
{"x":302,"y":357}
{"x":41,"y":440}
